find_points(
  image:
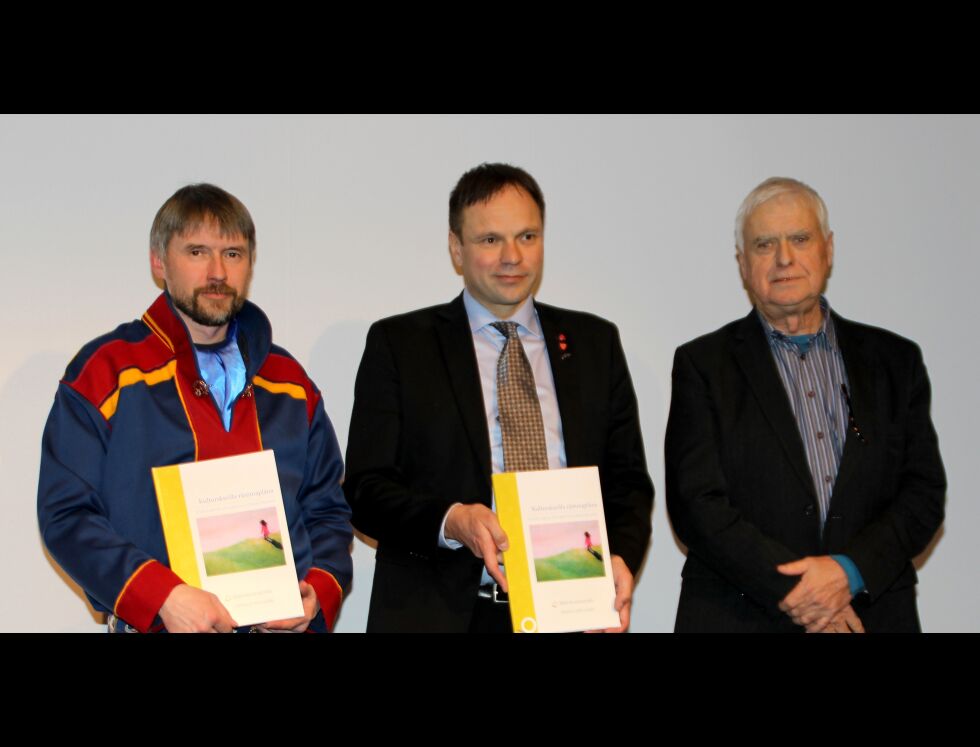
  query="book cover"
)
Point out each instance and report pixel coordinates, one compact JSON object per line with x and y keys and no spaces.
{"x":558,"y":567}
{"x":226,"y":532}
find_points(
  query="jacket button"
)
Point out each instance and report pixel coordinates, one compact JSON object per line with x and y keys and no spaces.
{"x":809,"y":510}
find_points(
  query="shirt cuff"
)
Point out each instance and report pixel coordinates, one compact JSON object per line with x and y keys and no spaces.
{"x":449,"y":544}
{"x":854,"y":579}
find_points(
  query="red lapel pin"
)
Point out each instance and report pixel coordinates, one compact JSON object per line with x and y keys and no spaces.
{"x":563,"y":346}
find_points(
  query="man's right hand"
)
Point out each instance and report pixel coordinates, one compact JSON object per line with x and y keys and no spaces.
{"x":191,"y":610}
{"x":476,"y":526}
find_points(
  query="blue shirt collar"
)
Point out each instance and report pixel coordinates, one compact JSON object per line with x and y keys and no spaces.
{"x":826,"y":337}
{"x":479,"y":316}
{"x":231,"y":336}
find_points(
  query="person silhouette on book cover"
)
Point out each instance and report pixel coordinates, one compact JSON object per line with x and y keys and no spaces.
{"x":265,"y":535}
{"x":591,"y":550}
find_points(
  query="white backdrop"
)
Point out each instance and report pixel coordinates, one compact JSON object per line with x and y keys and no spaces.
{"x":351,"y":218}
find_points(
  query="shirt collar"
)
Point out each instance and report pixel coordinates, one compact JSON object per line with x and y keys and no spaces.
{"x":231,"y":337}
{"x":479,"y":316}
{"x":826,"y":337}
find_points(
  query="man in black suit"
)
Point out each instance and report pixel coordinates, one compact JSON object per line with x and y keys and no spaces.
{"x":426,"y":430}
{"x":802,"y":468}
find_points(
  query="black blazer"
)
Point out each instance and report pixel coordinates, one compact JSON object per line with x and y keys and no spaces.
{"x":419,"y":443}
{"x":740,"y":494}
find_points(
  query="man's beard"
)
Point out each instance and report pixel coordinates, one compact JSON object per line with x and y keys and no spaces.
{"x":205,"y":316}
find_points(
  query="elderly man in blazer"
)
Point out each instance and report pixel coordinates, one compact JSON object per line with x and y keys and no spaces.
{"x":426,"y":430}
{"x":802,"y":467}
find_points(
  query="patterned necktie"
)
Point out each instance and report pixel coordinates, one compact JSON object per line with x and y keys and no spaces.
{"x":521,"y":427}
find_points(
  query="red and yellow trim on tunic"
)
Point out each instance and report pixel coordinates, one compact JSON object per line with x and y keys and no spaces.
{"x":276,"y":387}
{"x":258,"y":428}
{"x":280,"y":374}
{"x":144,"y":593}
{"x":187,"y":414}
{"x":117,"y":364}
{"x":130,"y":376}
{"x":328,"y":592}
{"x":151,"y":323}
{"x":211,"y":440}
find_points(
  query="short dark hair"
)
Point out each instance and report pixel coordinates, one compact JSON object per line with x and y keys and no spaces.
{"x":483,"y":182}
{"x":193,"y":205}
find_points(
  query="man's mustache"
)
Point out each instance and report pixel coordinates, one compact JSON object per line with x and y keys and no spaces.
{"x":216,"y":288}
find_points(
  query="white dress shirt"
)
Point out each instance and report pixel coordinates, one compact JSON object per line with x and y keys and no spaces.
{"x":488,"y":342}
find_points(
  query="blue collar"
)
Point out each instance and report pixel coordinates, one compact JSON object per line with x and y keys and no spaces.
{"x":479,"y":316}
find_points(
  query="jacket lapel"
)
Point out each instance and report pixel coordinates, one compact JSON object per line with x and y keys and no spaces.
{"x":859,"y":365}
{"x":456,"y":342}
{"x":754,"y":357}
{"x":566,"y":371}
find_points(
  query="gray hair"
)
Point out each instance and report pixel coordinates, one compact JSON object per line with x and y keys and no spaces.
{"x":772,"y":187}
{"x":191,"y":206}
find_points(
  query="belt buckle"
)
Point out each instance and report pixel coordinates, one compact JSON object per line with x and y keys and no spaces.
{"x":493,"y":593}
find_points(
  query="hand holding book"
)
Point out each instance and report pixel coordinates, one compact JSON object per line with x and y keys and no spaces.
{"x":191,"y":610}
{"x":623,"y":581}
{"x":477,"y":527}
{"x":311,"y":605}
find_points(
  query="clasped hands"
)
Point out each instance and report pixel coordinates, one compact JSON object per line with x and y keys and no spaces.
{"x":821,"y":601}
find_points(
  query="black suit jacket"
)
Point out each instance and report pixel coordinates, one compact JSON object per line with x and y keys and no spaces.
{"x":741,"y":497}
{"x":419,"y":443}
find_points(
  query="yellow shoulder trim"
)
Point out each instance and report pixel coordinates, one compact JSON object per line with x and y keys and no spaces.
{"x":293,"y":390}
{"x":130,"y":376}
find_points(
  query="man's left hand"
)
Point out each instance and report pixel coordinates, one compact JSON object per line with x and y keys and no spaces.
{"x":623,"y":581}
{"x":311,"y":605}
{"x":822,"y":592}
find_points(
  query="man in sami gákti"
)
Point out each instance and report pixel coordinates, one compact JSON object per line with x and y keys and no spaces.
{"x":197,"y":377}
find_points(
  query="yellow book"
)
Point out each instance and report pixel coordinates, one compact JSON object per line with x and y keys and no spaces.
{"x":226,"y":532}
{"x":558,"y":569}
